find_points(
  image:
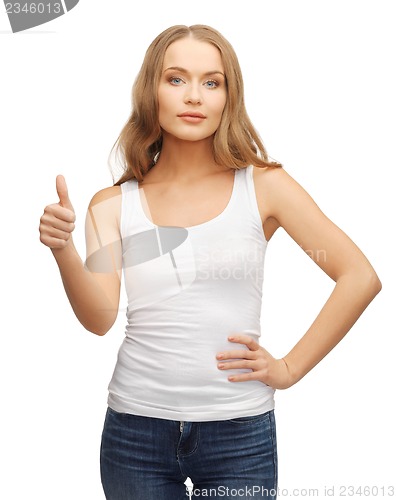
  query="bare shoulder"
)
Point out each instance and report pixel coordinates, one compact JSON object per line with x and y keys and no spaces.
{"x":271,"y":179}
{"x":105,"y":207}
{"x":279,"y":192}
{"x":109,"y":193}
{"x":282,"y":200}
{"x":267,"y":183}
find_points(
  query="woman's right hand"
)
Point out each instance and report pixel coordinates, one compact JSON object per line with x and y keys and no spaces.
{"x":57,"y":221}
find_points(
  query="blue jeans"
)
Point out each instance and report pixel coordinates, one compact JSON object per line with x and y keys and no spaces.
{"x":145,"y":458}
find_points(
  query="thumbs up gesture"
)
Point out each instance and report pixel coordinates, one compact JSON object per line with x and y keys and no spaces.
{"x":57,"y":221}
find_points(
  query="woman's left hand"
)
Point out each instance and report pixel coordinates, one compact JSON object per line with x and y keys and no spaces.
{"x":265,"y":368}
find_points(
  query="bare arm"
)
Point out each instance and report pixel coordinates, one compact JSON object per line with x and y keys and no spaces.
{"x":93,"y":289}
{"x":356,"y":281}
{"x":356,"y":284}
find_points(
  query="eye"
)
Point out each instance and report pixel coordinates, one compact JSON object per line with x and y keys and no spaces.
{"x":175,"y":80}
{"x":211,"y":84}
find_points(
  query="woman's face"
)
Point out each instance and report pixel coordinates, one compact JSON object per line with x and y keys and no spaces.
{"x":192,"y":90}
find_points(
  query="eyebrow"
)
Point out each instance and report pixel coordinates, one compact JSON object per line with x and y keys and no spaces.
{"x":183,"y":70}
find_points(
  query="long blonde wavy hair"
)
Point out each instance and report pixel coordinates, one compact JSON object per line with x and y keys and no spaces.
{"x":236,"y":144}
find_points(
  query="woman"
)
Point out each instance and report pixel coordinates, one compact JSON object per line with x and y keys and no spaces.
{"x":189,"y":222}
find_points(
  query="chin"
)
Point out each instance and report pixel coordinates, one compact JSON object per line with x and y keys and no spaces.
{"x":191,"y":136}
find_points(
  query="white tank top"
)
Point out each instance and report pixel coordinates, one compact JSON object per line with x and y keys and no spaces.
{"x":189,"y":289}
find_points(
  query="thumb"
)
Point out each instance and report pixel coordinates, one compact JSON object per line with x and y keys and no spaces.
{"x":61,"y":189}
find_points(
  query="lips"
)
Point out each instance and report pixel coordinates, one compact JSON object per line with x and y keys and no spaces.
{"x":192,"y":114}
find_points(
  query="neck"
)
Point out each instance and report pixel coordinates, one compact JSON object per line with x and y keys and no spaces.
{"x":185,"y":161}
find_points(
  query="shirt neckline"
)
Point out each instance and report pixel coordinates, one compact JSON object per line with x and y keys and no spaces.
{"x":196,"y":226}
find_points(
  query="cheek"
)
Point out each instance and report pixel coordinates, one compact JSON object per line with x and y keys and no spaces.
{"x":163,"y":97}
{"x":219,"y":106}
{"x":167,"y":102}
{"x":163,"y":108}
{"x":160,"y":100}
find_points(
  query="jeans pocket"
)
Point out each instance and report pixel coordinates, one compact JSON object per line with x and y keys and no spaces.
{"x":250,"y":420}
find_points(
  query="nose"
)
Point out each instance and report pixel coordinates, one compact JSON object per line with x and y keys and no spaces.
{"x":193,"y":95}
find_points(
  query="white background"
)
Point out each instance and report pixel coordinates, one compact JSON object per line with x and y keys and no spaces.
{"x":320,"y":82}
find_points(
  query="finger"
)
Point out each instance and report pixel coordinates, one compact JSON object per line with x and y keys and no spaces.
{"x":241,"y":364}
{"x":246,"y":340}
{"x":59,"y":217}
{"x":57,"y":233}
{"x":245,"y":377}
{"x":61,"y":189}
{"x":244,"y":354}
{"x":52,"y":242}
{"x":65,"y":214}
